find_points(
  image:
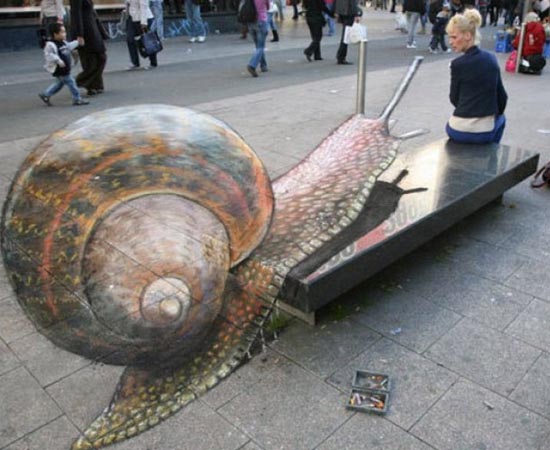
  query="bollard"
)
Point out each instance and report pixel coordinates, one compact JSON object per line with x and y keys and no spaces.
{"x":361,"y":78}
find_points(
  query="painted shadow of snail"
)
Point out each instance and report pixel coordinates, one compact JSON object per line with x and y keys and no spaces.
{"x":152,"y":237}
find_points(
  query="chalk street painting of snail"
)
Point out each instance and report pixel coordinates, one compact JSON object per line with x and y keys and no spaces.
{"x":151,"y":236}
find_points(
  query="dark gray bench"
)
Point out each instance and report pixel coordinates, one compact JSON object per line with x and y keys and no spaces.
{"x":456,"y":180}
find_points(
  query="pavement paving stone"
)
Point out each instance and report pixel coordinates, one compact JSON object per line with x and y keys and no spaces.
{"x":420,"y":275}
{"x":46,"y":361}
{"x":533,"y":325}
{"x":13,"y":322}
{"x":533,"y":245}
{"x":368,"y":431}
{"x":84,"y":394}
{"x":531,"y":278}
{"x":492,"y":224}
{"x":533,"y":391}
{"x":416,"y":383}
{"x":326,"y":346}
{"x":5,"y":287}
{"x":251,"y":446}
{"x":471,"y":417}
{"x":480,"y":299}
{"x":485,"y":259}
{"x":243,"y":379}
{"x":283,"y":409}
{"x":483,"y":355}
{"x":8,"y":360}
{"x":13,"y":153}
{"x":24,"y":406}
{"x":405,"y":318}
{"x":196,"y":427}
{"x":56,"y":435}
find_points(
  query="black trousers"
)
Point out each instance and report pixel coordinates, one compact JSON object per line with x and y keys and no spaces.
{"x":316,"y":31}
{"x":343,"y":49}
{"x":93,"y":65}
{"x":133,"y":30}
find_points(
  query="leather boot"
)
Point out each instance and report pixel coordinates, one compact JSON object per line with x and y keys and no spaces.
{"x":275,"y":36}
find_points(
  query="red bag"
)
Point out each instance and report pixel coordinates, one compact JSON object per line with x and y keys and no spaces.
{"x":510,"y":65}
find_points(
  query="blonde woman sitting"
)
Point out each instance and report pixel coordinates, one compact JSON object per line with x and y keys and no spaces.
{"x":477,"y":92}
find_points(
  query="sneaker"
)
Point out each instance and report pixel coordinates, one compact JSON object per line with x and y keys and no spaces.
{"x":45,"y":99}
{"x":201,"y":38}
{"x":433,"y":51}
{"x":130,"y":68}
{"x":193,"y":39}
{"x":264,"y":69}
{"x":448,"y":51}
{"x":81,"y":102}
{"x":411,"y":45}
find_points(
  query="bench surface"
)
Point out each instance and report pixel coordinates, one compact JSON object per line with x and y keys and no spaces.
{"x":457,"y":180}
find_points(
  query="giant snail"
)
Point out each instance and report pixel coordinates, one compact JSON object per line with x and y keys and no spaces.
{"x":152,"y":237}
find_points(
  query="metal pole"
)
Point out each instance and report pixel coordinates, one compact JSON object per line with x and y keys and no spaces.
{"x":525,"y":10}
{"x":520,"y":47}
{"x":361,"y":78}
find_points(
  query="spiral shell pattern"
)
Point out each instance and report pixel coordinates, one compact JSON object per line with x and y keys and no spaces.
{"x":120,"y":229}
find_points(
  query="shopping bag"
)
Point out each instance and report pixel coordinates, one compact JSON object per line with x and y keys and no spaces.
{"x":149,"y":44}
{"x":354,"y":34}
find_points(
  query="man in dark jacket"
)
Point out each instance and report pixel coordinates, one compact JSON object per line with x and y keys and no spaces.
{"x":348,"y":11}
{"x":413,"y":9}
{"x":88,"y":30}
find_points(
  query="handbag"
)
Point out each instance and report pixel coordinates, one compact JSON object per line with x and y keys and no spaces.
{"x":510,"y":65}
{"x":544,"y":174}
{"x":149,"y":44}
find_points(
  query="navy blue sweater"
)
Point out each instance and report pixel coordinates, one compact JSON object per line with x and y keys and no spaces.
{"x":476,"y":86}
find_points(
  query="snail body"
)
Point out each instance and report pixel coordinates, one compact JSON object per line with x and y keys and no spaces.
{"x":152,"y":237}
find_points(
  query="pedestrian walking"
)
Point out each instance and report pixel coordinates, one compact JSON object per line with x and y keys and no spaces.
{"x":413,"y":9}
{"x":158,"y":18}
{"x":258,"y":31}
{"x":270,"y":20}
{"x":315,"y":10}
{"x":51,"y":11}
{"x":348,"y":11}
{"x":57,"y":54}
{"x":140,"y":19}
{"x":193,"y":13}
{"x":438,"y":30}
{"x":90,"y":33}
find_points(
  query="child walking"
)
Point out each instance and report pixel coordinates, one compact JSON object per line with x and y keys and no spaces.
{"x":57,"y":53}
{"x":438,"y":30}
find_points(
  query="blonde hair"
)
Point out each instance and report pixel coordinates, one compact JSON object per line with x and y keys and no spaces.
{"x":468,"y":22}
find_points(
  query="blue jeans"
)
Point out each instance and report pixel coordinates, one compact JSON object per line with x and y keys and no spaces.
{"x":158,"y":21}
{"x":64,"y":80}
{"x":330,"y":21}
{"x":271,"y":22}
{"x":495,"y":135}
{"x":258,"y":30}
{"x":193,"y":13}
{"x":412,"y":20}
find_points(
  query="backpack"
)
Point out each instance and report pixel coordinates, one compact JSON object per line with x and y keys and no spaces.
{"x":544,"y":174}
{"x":247,"y":12}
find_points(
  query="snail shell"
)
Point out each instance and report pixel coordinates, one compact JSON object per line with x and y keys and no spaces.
{"x":120,"y":229}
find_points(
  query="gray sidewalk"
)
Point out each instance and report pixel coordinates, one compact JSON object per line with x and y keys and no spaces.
{"x":462,"y":326}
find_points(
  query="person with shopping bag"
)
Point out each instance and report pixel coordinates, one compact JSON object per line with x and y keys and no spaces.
{"x":347,"y":11}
